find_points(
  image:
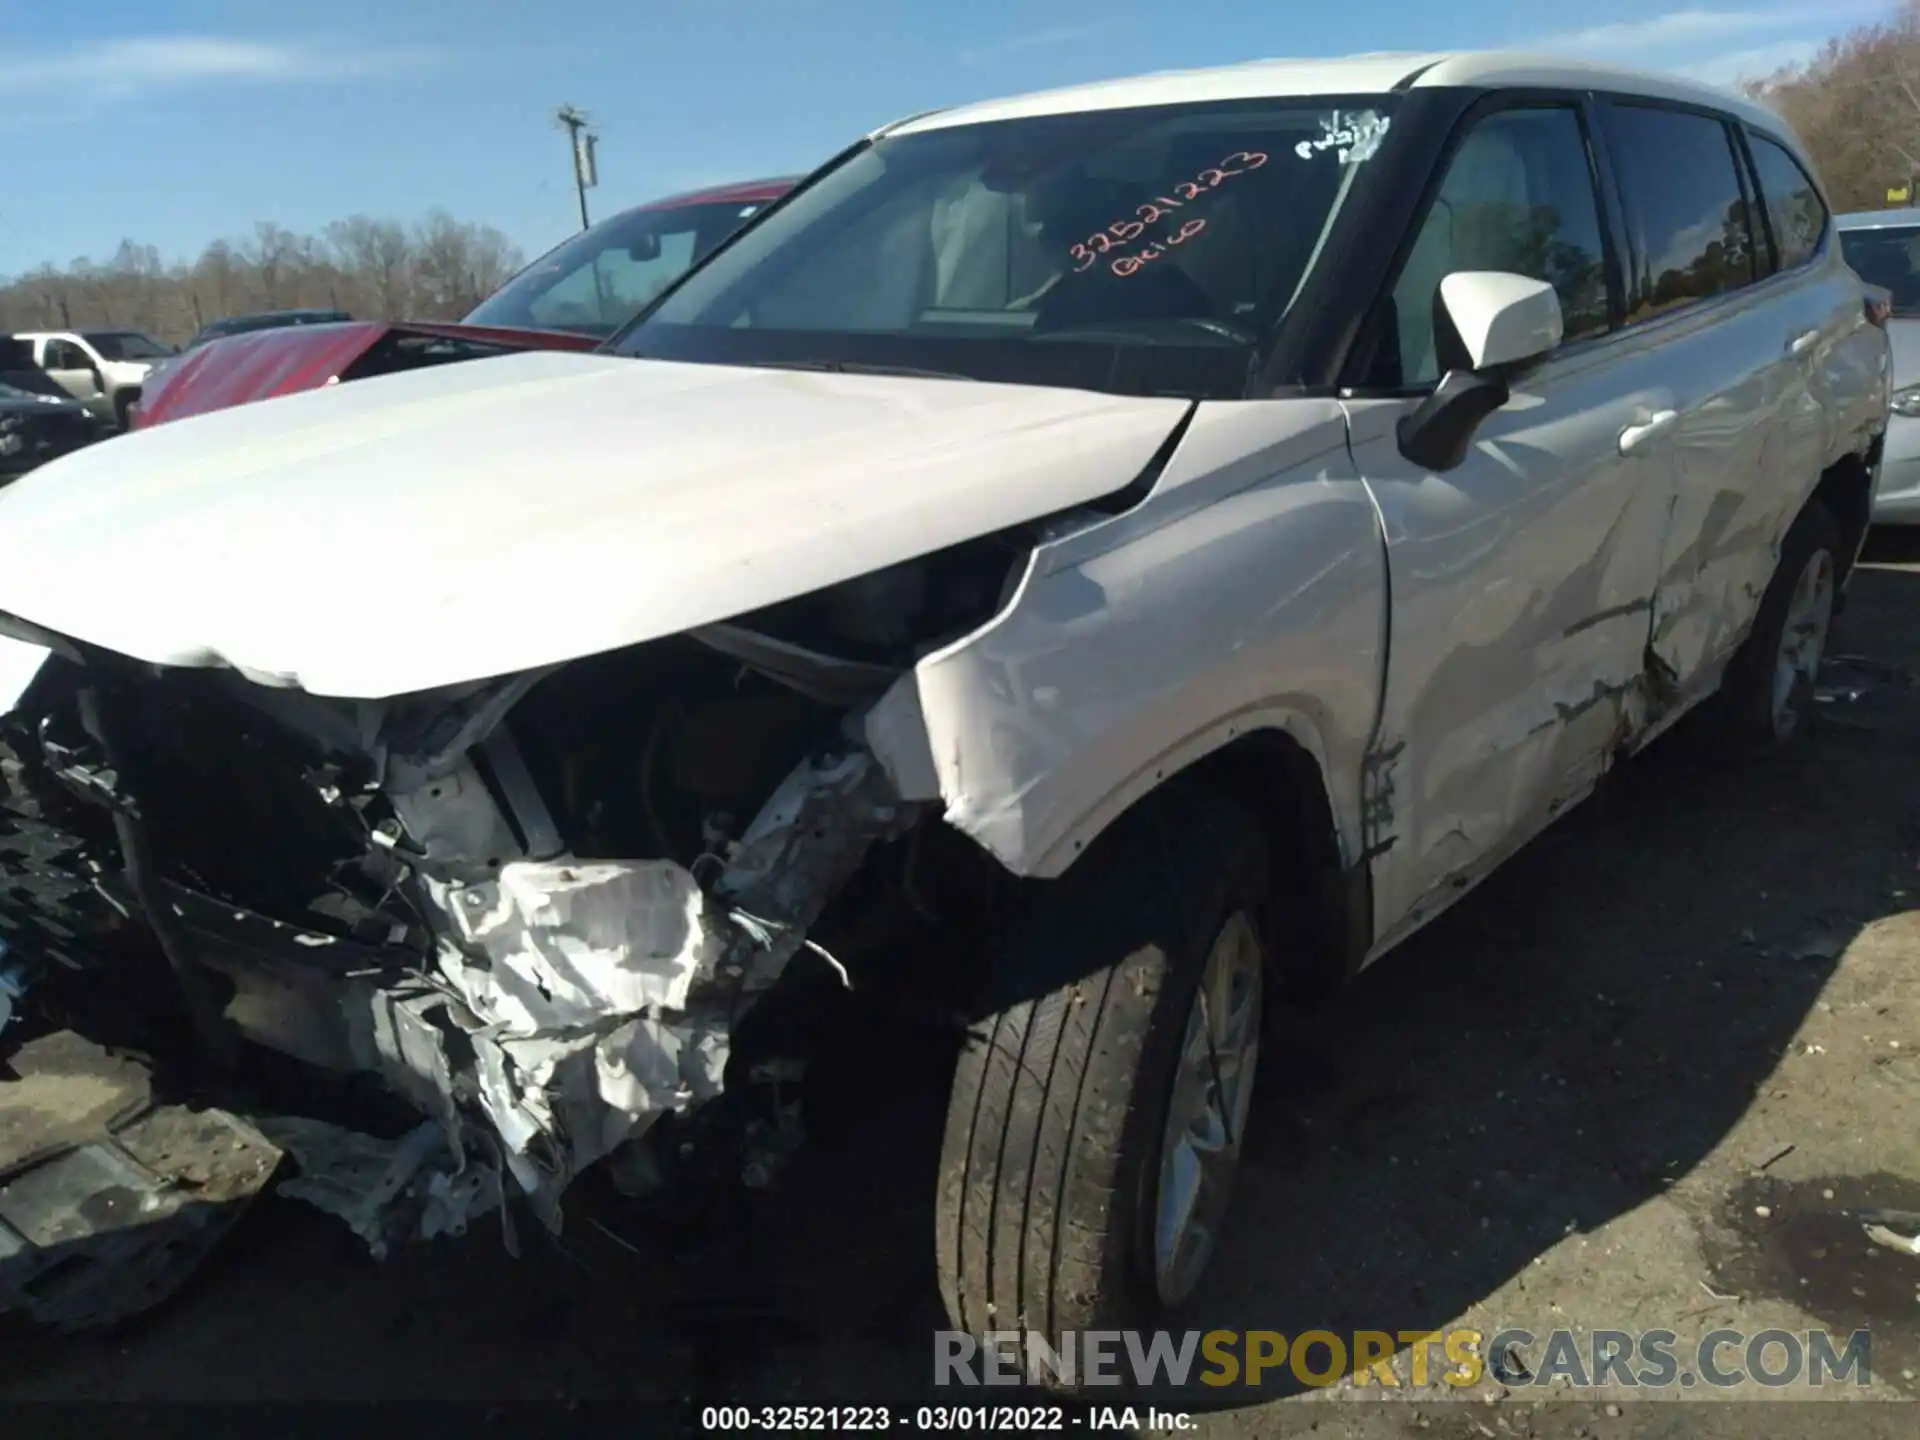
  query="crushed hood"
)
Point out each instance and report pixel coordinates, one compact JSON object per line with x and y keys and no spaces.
{"x":472,"y":520}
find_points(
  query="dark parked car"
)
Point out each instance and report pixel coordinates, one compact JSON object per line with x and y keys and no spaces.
{"x":19,"y":369}
{"x":37,"y":426}
{"x":266,"y":320}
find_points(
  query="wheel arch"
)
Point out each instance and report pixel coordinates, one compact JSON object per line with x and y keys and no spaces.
{"x":1273,"y":763}
{"x":1846,"y":489}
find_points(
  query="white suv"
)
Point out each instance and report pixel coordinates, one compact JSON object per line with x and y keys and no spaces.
{"x":1104,"y":555}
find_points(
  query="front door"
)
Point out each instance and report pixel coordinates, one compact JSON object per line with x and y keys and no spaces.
{"x":1521,"y":581}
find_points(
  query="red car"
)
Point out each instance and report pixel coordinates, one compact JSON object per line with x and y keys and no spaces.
{"x":571,"y":298}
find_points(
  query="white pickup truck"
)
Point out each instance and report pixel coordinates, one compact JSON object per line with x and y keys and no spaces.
{"x":102,"y":369}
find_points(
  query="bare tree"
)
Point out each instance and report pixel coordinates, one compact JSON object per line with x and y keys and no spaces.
{"x":456,"y":264}
{"x":370,"y":267}
{"x":377,"y":257}
{"x":273,"y":253}
{"x":1856,"y":105}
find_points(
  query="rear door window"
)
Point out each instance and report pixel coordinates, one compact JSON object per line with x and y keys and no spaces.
{"x":1795,"y":211}
{"x":1690,"y":234}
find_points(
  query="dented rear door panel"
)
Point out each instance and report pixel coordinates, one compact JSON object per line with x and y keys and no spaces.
{"x":1745,"y":451}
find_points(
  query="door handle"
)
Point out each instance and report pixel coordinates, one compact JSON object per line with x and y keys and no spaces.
{"x":1635,"y":438}
{"x":1801,"y":344}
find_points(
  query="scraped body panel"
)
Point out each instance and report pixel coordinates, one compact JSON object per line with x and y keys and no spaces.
{"x":1244,"y":594}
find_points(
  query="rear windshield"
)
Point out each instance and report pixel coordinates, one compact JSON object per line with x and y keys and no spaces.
{"x":1889,"y":258}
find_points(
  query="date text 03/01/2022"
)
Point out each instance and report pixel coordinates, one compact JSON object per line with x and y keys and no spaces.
{"x":937,"y":1419}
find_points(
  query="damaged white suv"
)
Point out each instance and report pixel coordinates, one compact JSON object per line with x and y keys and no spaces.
{"x":1103,"y":555}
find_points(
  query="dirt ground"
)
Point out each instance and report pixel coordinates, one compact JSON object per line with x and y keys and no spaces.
{"x":1640,"y":1079}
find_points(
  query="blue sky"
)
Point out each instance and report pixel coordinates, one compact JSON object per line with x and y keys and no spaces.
{"x":172,"y":122}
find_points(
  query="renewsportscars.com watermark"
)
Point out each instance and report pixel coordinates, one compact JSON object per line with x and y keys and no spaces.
{"x":1461,"y":1359}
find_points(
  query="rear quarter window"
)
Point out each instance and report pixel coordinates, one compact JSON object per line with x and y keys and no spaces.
{"x":1690,"y":236}
{"x":1795,"y":212}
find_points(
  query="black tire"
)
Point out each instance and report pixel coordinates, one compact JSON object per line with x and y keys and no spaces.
{"x":1048,"y":1170}
{"x":122,"y":404}
{"x":1743,"y":716}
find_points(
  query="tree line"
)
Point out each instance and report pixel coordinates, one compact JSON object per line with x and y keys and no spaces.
{"x":1856,"y":105}
{"x":435,"y":269}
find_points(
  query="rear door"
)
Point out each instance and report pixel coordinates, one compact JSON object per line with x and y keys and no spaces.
{"x":1730,"y":340}
{"x":1839,"y":358}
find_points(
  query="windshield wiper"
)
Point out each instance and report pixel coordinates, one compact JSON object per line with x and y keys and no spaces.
{"x":857,"y":367}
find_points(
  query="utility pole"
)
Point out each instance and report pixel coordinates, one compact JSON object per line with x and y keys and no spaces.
{"x":581,"y":140}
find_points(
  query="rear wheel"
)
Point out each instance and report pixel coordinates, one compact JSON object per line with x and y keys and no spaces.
{"x":1766,"y":697}
{"x":1098,"y":1111}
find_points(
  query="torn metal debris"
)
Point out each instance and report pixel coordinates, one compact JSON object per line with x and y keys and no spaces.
{"x":536,"y":907}
{"x":414,"y":1187}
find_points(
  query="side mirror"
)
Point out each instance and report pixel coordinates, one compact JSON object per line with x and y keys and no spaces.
{"x":1501,"y":319}
{"x":646,"y":248}
{"x":1498,"y":322}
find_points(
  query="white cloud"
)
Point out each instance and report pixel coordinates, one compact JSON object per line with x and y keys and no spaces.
{"x":1037,"y":40}
{"x":126,"y":69}
{"x":1667,"y":32}
{"x":1754,"y":63}
{"x":1664,"y":36}
{"x":1717,"y":47}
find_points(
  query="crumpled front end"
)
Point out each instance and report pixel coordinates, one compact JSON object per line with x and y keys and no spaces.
{"x":538,"y":908}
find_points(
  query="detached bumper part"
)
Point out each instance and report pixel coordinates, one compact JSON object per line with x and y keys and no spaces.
{"x":109,"y":1203}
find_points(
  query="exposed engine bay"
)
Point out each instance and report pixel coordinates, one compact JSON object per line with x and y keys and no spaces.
{"x":540,"y":908}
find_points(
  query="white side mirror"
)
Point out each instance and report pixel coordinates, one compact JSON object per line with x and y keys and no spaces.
{"x":1501,"y":318}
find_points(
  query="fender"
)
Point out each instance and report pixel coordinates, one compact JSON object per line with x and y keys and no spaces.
{"x":1246,"y":592}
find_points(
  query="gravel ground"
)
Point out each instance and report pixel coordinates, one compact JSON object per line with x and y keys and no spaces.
{"x":1640,"y":1079}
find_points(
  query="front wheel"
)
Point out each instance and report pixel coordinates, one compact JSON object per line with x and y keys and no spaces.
{"x":1098,"y":1111}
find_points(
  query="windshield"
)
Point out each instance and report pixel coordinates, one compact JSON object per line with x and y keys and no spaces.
{"x":600,"y":279}
{"x":125,"y":345}
{"x":1137,"y":251}
{"x":1889,"y":258}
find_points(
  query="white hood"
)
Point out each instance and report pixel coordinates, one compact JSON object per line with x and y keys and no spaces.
{"x":478,"y":519}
